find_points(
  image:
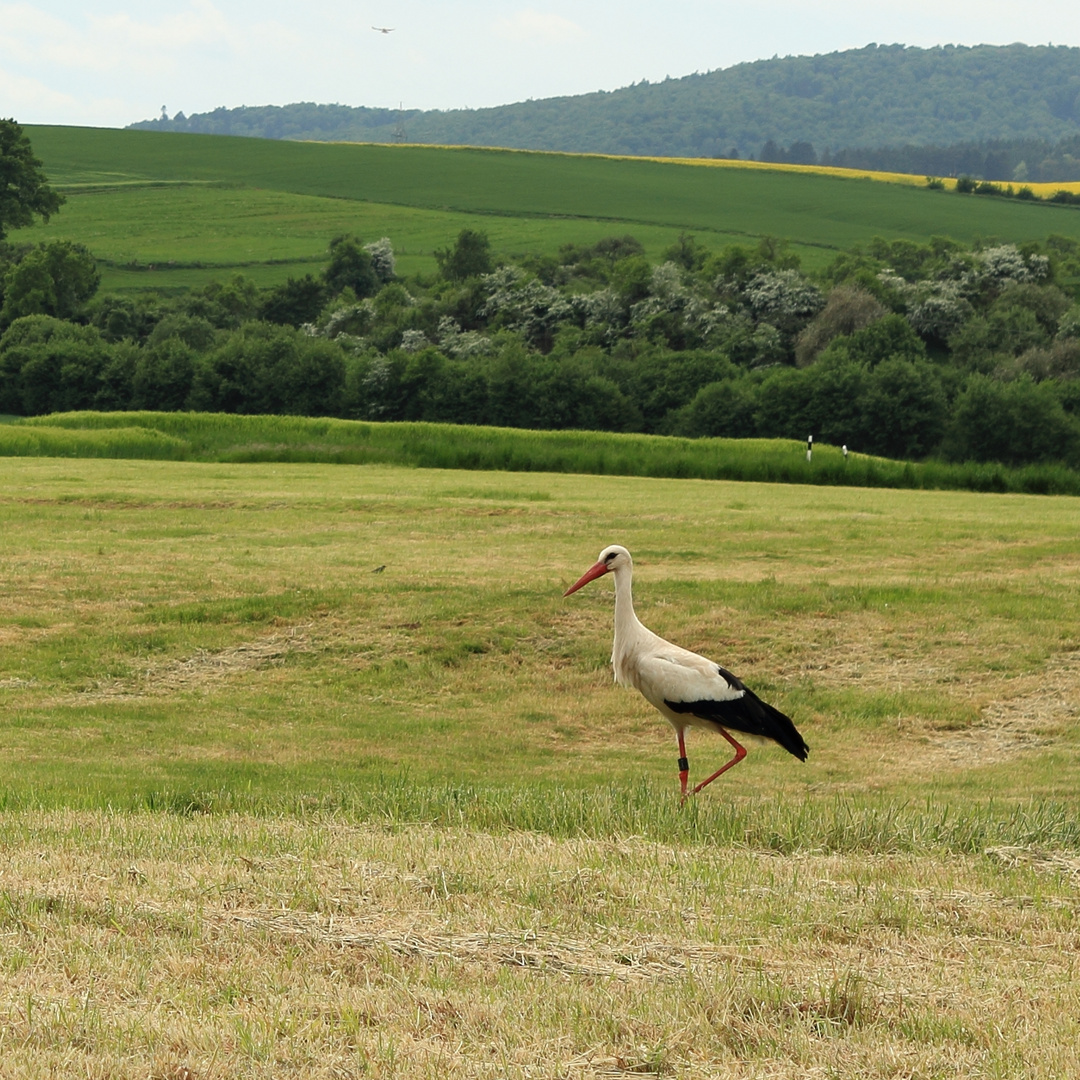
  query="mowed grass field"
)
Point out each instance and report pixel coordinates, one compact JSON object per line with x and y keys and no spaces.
{"x":310,"y":770}
{"x":269,"y":207}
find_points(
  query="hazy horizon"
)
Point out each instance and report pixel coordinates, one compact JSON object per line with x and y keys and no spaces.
{"x":113,"y":62}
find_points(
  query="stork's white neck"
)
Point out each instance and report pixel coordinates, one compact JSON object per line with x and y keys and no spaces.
{"x":628,"y":629}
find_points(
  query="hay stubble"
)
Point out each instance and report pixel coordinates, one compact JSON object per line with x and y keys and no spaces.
{"x":398,"y":826}
{"x":138,"y":945}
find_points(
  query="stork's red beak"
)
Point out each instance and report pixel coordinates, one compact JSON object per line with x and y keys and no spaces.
{"x":595,"y":571}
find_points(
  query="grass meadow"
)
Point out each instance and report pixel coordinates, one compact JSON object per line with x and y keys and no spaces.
{"x":172,"y":236}
{"x":196,"y":207}
{"x":310,"y":770}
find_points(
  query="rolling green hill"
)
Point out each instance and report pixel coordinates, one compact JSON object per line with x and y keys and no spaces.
{"x":207,"y":204}
{"x":880,"y":95}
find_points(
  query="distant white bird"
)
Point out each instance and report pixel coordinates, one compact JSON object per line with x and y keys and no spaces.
{"x":687,"y":689}
{"x":384,"y":29}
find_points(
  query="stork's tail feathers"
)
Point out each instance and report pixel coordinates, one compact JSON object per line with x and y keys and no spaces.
{"x":781,"y":728}
{"x":749,"y":714}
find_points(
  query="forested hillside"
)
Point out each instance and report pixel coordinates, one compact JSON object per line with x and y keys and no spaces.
{"x":877,"y":96}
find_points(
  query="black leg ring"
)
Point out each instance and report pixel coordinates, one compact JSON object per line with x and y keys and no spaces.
{"x":684,"y":765}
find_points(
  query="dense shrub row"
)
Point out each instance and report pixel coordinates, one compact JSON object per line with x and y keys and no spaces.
{"x":903,"y":350}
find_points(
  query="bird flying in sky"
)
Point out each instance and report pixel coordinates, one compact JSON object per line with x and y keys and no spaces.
{"x":384,"y":29}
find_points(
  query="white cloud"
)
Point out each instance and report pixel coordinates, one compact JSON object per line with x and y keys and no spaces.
{"x":109,"y":43}
{"x":539,"y":26}
{"x":20,"y":93}
{"x":114,"y":66}
{"x":35,"y":103}
{"x":201,"y":24}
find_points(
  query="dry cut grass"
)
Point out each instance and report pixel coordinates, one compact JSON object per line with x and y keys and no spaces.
{"x":140,"y":945}
{"x":214,"y":637}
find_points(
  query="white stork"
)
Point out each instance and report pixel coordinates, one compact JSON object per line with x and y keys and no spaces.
{"x":688,"y":689}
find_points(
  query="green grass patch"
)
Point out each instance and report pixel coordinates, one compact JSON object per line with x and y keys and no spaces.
{"x":171,"y":237}
{"x":19,"y":440}
{"x":233,"y":438}
{"x":244,"y":609}
{"x":838,"y":825}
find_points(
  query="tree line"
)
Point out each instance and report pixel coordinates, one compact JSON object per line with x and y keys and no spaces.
{"x":1017,"y":161}
{"x":900,"y":349}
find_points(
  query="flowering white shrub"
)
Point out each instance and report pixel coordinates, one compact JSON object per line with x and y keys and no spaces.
{"x":413,"y":341}
{"x":373,"y":387}
{"x":712,"y":321}
{"x":1005,"y":263}
{"x":598,"y":308}
{"x":1069,"y":326}
{"x":346,"y":326}
{"x":667,"y":283}
{"x":783,"y":296}
{"x":939,"y":313}
{"x":524,"y":304}
{"x":461,"y":344}
{"x":503,"y":278}
{"x":935,"y":309}
{"x":354,"y":320}
{"x":769,"y":346}
{"x":700,"y":317}
{"x":893,"y":281}
{"x":382,"y":258}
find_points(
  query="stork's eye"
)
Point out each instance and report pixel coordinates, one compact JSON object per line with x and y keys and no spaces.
{"x":610,"y":555}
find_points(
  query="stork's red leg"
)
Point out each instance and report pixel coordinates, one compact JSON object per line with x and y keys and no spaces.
{"x":684,"y":765}
{"x":740,"y":753}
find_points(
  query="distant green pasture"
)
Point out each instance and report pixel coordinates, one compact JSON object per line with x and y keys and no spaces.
{"x":177,"y":235}
{"x":421,"y":196}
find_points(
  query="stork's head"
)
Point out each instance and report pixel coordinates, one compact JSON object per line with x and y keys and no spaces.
{"x":613,"y":558}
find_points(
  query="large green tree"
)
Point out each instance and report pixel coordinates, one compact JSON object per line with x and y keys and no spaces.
{"x":24,"y":190}
{"x":52,"y":279}
{"x":350,"y":267}
{"x":469,"y":257}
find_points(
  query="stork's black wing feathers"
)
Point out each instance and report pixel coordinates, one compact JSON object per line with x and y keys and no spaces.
{"x":749,"y":714}
{"x":733,"y":681}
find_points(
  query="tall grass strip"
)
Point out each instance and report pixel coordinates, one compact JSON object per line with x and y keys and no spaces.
{"x":233,"y":438}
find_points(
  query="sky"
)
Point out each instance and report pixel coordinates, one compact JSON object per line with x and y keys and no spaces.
{"x":108,"y":63}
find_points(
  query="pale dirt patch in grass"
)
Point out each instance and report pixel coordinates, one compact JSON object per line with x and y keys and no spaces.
{"x":1024,"y":714}
{"x":1017,"y":715}
{"x":873,"y":653}
{"x":16,"y":684}
{"x":201,"y":671}
{"x":144,"y":945}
